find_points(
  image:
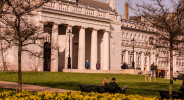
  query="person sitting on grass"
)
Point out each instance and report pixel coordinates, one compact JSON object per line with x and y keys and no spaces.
{"x":105,"y":81}
{"x":118,"y":89}
{"x":182,"y":87}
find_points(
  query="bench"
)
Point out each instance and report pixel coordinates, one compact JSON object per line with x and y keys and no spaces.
{"x":97,"y":88}
{"x":175,"y":94}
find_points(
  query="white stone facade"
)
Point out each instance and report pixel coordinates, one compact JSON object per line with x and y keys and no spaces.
{"x":94,"y":31}
{"x":145,"y":52}
{"x":97,"y":35}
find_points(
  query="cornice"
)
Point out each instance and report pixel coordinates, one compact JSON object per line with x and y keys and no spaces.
{"x":145,"y":31}
{"x":60,"y":12}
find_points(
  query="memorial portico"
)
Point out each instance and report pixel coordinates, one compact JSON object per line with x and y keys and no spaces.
{"x":95,"y":36}
{"x":86,"y":44}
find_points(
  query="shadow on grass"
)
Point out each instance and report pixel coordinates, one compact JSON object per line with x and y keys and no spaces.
{"x":7,"y":73}
{"x":23,"y":73}
{"x":148,"y":89}
{"x":142,"y":88}
{"x":61,"y":85}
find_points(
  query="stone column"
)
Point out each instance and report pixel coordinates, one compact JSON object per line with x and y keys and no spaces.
{"x":152,"y":58}
{"x":93,"y":49}
{"x":81,"y":54}
{"x":40,"y":61}
{"x":142,"y":61}
{"x":126,"y":56}
{"x":54,"y":49}
{"x":174,"y":64}
{"x":135,"y":59}
{"x":67,"y":46}
{"x":106,"y":51}
{"x":148,"y":62}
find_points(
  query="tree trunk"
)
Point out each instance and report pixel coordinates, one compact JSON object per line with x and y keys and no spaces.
{"x":19,"y":68}
{"x":2,"y":55}
{"x":171,"y":71}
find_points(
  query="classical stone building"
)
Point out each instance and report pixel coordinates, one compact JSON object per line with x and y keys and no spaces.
{"x":136,"y":31}
{"x":144,"y":51}
{"x":96,"y":33}
{"x":95,"y":36}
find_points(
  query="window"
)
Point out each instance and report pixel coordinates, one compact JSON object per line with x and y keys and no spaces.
{"x":62,"y":30}
{"x":47,"y":29}
{"x":142,"y":37}
{"x":123,"y":35}
{"x":145,"y":38}
{"x":122,"y":58}
{"x":131,"y":36}
{"x":134,"y":36}
{"x":145,"y":63}
{"x":151,"y":40}
{"x":138,"y":37}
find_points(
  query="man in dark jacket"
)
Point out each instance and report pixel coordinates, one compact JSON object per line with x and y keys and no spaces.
{"x":152,"y":69}
{"x":156,"y":71}
{"x":117,"y":88}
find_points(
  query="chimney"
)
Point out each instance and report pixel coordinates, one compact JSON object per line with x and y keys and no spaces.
{"x":126,"y":10}
{"x":112,"y":4}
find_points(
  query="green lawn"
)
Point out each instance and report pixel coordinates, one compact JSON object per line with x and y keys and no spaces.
{"x":135,"y":83}
{"x":3,"y":89}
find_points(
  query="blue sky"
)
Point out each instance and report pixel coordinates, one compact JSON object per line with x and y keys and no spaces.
{"x":120,"y":5}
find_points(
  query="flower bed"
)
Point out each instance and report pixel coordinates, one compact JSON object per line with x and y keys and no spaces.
{"x":25,"y":95}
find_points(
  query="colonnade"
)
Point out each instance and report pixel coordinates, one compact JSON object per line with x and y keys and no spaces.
{"x":81,"y":48}
{"x":145,"y":59}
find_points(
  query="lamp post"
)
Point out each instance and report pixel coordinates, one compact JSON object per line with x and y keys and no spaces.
{"x":133,"y":63}
{"x":77,"y":2}
{"x":69,"y":58}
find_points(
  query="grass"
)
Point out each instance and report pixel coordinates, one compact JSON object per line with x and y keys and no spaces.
{"x":3,"y":89}
{"x":136,"y":83}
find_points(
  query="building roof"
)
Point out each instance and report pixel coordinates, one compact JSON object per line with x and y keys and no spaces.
{"x":96,"y":4}
{"x":92,"y":3}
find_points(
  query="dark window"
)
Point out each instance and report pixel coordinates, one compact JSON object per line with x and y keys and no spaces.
{"x":47,"y":29}
{"x":151,"y":39}
{"x":62,"y":30}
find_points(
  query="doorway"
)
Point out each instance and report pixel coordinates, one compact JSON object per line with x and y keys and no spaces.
{"x":47,"y":56}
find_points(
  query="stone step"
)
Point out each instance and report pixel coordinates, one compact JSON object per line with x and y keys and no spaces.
{"x":124,"y":71}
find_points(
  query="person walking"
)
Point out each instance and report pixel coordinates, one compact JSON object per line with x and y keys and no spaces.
{"x":156,"y":71}
{"x":87,"y":64}
{"x":98,"y":65}
{"x":152,"y":69}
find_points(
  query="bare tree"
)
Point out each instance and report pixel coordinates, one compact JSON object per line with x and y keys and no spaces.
{"x":19,"y":27}
{"x":3,"y":49}
{"x":1,"y":6}
{"x":169,"y":23}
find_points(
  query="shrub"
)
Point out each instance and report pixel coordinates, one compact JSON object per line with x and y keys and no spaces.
{"x":25,"y":95}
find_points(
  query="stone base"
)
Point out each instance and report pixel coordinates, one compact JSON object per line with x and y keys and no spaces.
{"x":124,"y":71}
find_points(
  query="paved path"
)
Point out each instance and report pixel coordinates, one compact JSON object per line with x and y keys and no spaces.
{"x":12,"y":85}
